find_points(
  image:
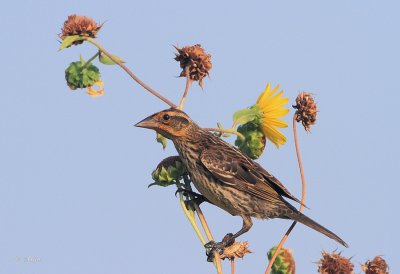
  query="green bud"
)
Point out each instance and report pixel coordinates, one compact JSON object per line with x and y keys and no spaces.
{"x":79,"y":75}
{"x":254,"y":143}
{"x":168,"y":172}
{"x":284,"y":262}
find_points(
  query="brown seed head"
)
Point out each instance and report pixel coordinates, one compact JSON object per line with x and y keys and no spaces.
{"x":306,"y":110}
{"x":195,"y":61}
{"x":334,"y":263}
{"x":377,"y":266}
{"x":79,"y":25}
{"x":236,"y":250}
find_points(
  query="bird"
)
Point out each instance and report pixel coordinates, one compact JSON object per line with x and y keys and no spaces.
{"x":228,"y":178}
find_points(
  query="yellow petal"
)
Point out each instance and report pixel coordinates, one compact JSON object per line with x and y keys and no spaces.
{"x":274,"y":135}
{"x":280,"y":112}
{"x":264,"y":95}
{"x":275,"y":122}
{"x":96,"y":93}
{"x":271,"y":103}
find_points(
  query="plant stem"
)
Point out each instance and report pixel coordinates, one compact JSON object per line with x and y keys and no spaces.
{"x":303,"y":197}
{"x":188,"y":84}
{"x":303,"y":179}
{"x":130,"y":73}
{"x":91,"y":59}
{"x":233,"y":266}
{"x":191,"y":219}
{"x":206,"y":228}
{"x":232,"y":131}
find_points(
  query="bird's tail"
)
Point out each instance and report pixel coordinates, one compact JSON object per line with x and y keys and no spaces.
{"x":300,"y":217}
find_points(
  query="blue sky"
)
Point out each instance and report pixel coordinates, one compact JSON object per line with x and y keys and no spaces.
{"x":74,"y":176}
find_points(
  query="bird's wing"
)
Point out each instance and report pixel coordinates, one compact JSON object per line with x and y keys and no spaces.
{"x":233,"y":168}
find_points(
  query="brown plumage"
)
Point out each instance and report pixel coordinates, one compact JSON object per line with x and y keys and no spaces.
{"x":226,"y":177}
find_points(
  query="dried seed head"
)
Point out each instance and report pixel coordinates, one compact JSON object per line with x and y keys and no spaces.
{"x":195,"y":61}
{"x":334,"y":263}
{"x":236,"y":250}
{"x":306,"y":110}
{"x":79,"y":25}
{"x":377,"y":266}
{"x":284,"y":262}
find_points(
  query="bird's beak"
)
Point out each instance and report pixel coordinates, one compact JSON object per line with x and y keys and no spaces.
{"x":148,"y":122}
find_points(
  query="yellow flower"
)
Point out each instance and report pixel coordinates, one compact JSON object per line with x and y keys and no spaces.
{"x":96,"y":93}
{"x":272,"y":107}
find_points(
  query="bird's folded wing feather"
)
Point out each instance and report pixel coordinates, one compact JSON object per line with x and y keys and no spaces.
{"x":231,"y":167}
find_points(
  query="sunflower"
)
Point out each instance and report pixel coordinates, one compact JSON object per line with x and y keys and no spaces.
{"x":271,"y":105}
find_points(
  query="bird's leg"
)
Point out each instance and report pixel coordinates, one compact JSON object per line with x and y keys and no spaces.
{"x":228,"y":240}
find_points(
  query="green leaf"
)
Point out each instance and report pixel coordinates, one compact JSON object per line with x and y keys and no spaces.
{"x":107,"y":61}
{"x":67,"y":42}
{"x":162,"y":140}
{"x":246,"y":115}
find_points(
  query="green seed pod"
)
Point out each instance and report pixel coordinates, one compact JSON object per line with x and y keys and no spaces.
{"x":168,"y":171}
{"x":284,"y":262}
{"x":79,"y":75}
{"x":254,"y":143}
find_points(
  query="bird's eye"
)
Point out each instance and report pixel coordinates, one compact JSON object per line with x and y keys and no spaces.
{"x":166,"y":117}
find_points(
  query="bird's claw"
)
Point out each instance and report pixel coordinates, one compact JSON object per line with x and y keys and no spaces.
{"x":219,"y":247}
{"x":228,"y":240}
{"x":196,"y":198}
{"x":213,"y":247}
{"x":187,"y":193}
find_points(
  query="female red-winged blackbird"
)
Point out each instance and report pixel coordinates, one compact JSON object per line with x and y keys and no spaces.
{"x":226,"y":177}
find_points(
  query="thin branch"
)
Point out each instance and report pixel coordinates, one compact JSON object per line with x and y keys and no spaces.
{"x":188,"y":84}
{"x":303,"y":197}
{"x":233,"y":266}
{"x":130,"y":73}
{"x":231,"y":131}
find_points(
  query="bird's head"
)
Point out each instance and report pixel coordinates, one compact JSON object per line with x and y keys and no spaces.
{"x":171,"y":123}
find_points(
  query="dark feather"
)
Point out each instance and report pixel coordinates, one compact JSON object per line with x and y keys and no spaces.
{"x":233,"y":168}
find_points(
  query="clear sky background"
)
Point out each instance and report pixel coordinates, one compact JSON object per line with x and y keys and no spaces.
{"x":74,"y":170}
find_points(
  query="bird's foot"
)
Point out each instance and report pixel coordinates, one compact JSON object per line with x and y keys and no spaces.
{"x":219,"y":247}
{"x":196,"y":198}
{"x":187,"y":193}
{"x":213,"y":247}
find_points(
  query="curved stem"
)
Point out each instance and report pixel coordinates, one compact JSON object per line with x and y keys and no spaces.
{"x":130,"y":73}
{"x":303,"y":179}
{"x":232,"y":131}
{"x":188,"y":84}
{"x":303,"y":197}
